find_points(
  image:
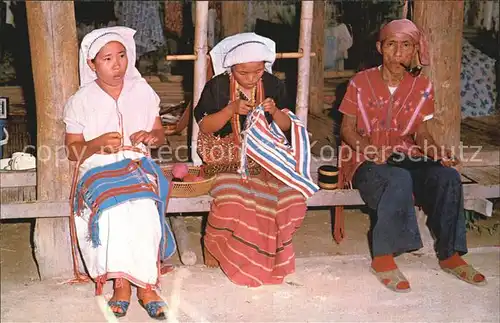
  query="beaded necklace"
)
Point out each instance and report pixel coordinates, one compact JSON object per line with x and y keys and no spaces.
{"x":251,"y":100}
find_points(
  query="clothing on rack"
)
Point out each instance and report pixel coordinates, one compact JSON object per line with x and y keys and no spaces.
{"x":143,"y":16}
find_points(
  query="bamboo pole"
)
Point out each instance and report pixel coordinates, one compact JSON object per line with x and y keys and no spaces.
{"x":293,"y":55}
{"x":192,"y":57}
{"x":304,"y":62}
{"x":187,"y":57}
{"x":200,"y":68}
{"x":54,"y":56}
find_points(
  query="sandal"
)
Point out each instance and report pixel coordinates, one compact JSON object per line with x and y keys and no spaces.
{"x":123,"y":305}
{"x":153,"y":307}
{"x":467,"y":274}
{"x":391,"y":279}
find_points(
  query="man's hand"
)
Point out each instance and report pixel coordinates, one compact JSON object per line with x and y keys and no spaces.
{"x":144,"y":137}
{"x":269,"y":106}
{"x":381,"y":156}
{"x":429,"y":146}
{"x":447,"y":158}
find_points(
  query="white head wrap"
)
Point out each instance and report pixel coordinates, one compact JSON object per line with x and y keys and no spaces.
{"x":95,"y":40}
{"x":243,"y":48}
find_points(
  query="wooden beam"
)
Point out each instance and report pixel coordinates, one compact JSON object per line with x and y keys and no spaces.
{"x":47,"y":209}
{"x":323,"y":198}
{"x":481,"y":206}
{"x":14,"y":93}
{"x":233,"y":17}
{"x":54,"y":57}
{"x":18,"y":179}
{"x":186,"y":251}
{"x":339,"y":74}
{"x":317,"y":80}
{"x":478,"y":157}
{"x":442,"y":22}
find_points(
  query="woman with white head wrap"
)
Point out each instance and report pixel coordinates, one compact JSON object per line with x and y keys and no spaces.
{"x":251,"y":223}
{"x":115,"y":108}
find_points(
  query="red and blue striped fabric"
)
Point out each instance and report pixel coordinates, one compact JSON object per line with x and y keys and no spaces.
{"x":103,"y":187}
{"x":267,"y":145}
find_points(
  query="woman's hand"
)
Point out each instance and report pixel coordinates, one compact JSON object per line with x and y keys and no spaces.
{"x":240,"y":107}
{"x":147,"y":138}
{"x":269,"y":106}
{"x":110,"y":142}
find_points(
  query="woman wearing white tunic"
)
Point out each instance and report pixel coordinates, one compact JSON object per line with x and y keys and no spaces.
{"x":115,"y":107}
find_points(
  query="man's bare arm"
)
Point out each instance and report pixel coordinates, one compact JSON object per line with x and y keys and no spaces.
{"x":426,"y":142}
{"x":351,"y":137}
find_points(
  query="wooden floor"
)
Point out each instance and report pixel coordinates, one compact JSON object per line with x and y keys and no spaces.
{"x":481,"y":131}
{"x":485,"y":175}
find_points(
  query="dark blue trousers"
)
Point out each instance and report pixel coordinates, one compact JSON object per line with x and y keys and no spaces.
{"x":392,"y":192}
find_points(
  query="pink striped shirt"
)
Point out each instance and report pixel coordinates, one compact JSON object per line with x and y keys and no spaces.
{"x":387,"y":119}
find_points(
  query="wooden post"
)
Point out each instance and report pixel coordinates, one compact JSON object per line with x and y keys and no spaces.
{"x":186,"y":252}
{"x":304,"y":62}
{"x":54,"y":56}
{"x":233,"y":17}
{"x":442,"y":22}
{"x":317,"y":80}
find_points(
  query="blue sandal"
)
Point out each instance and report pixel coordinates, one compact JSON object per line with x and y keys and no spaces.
{"x":153,"y":307}
{"x":123,"y":305}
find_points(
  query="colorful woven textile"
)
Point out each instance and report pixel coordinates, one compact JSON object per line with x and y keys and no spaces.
{"x":267,"y":145}
{"x":104,"y":187}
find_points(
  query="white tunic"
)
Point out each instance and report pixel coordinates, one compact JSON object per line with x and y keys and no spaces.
{"x":130,"y":233}
{"x":92,"y":112}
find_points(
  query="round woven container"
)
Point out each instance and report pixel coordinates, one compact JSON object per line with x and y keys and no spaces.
{"x":328,"y":177}
{"x":189,"y":189}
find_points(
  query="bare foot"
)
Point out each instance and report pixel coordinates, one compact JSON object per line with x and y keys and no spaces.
{"x":147,"y":296}
{"x":210,"y":261}
{"x":121,"y":293}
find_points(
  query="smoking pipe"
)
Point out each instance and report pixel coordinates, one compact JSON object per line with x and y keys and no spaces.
{"x":414,"y":71}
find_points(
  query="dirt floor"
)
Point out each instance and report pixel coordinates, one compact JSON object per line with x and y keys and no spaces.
{"x":331,"y":284}
{"x":313,"y":239}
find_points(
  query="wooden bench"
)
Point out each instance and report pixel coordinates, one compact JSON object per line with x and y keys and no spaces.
{"x":323,"y":198}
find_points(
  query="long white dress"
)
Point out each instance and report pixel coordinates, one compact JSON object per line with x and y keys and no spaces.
{"x":129,"y":233}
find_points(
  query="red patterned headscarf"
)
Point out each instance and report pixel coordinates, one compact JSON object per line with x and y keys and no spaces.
{"x":407,"y":27}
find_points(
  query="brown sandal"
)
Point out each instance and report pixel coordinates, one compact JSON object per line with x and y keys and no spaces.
{"x":391,"y":279}
{"x":467,"y":274}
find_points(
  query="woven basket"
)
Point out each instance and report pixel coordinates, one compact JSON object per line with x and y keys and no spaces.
{"x":189,"y":189}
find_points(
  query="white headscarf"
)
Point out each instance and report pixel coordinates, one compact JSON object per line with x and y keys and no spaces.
{"x":243,"y":48}
{"x":95,"y":40}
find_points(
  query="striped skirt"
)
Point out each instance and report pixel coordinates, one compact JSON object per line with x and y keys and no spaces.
{"x":250,"y":228}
